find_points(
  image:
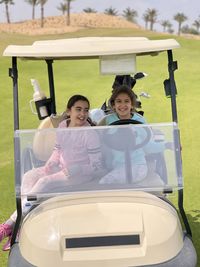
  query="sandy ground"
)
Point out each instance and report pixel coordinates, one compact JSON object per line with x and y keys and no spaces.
{"x":191,"y":36}
{"x":57,"y":24}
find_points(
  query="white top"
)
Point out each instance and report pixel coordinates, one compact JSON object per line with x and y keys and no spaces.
{"x":90,"y":47}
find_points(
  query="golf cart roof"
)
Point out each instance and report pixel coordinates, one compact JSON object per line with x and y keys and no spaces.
{"x":90,"y":47}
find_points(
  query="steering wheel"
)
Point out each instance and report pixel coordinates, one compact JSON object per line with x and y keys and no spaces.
{"x":127,"y":121}
{"x":129,"y":142}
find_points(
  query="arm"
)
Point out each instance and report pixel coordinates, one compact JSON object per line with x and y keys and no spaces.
{"x":54,"y":161}
{"x":155,"y":147}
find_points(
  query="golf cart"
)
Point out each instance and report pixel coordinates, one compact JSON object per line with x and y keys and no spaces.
{"x":120,"y":222}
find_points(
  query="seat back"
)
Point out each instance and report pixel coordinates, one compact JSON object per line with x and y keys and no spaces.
{"x":44,"y":141}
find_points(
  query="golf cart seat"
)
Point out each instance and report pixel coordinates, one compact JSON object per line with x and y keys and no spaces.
{"x":43,"y":143}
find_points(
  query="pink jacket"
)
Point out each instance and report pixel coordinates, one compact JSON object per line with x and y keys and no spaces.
{"x":76,"y":150}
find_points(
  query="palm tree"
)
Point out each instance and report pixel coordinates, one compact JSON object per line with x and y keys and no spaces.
{"x":68,"y":11}
{"x":180,"y":18}
{"x":146,"y":19}
{"x":7,"y":3}
{"x":33,"y":3}
{"x":197,"y":24}
{"x":89,"y":10}
{"x":165,"y":24}
{"x":63,"y":8}
{"x":130,"y":14}
{"x":170,"y":29}
{"x":110,"y":11}
{"x":42,"y":3}
{"x":152,"y":16}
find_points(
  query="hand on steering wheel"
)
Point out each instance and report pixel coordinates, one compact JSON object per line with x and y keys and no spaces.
{"x":130,"y":141}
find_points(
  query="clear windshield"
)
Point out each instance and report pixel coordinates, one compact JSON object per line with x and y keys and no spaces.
{"x":129,"y":157}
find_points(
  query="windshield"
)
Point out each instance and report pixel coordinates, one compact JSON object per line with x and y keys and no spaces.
{"x":128,"y":157}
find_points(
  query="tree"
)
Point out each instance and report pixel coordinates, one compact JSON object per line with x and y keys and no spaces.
{"x":180,"y":18}
{"x":110,"y":11}
{"x":62,"y":8}
{"x":42,"y":3}
{"x":33,"y":3}
{"x":130,"y":14}
{"x":89,"y":10}
{"x":197,"y":24}
{"x":7,"y":3}
{"x":188,"y":30}
{"x":68,"y":2}
{"x":146,"y":19}
{"x":166,"y":24}
{"x":170,"y":29}
{"x":152,"y":16}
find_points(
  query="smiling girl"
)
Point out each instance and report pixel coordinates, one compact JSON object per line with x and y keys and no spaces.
{"x":123,"y":102}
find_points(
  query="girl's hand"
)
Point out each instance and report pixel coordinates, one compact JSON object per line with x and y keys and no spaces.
{"x":65,"y":171}
{"x":50,"y":167}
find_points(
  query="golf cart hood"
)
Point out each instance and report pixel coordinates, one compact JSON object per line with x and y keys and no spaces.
{"x":106,"y":228}
{"x":90,"y":47}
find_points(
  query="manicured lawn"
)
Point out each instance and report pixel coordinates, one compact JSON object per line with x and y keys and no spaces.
{"x":83,"y":77}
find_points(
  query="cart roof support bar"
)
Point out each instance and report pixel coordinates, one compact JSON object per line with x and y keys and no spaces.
{"x":13,"y":73}
{"x":51,"y":85}
{"x":172,"y":66}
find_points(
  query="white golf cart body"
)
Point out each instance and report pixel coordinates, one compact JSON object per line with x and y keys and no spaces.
{"x":103,"y":220}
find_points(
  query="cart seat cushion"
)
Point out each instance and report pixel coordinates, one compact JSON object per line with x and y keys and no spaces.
{"x":44,"y":141}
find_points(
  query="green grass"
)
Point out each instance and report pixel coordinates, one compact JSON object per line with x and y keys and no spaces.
{"x":70,"y":78}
